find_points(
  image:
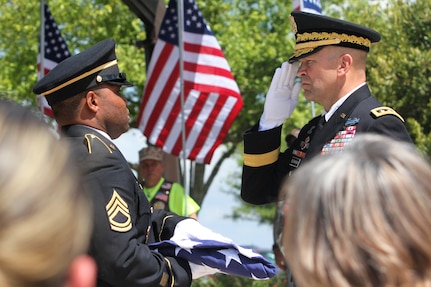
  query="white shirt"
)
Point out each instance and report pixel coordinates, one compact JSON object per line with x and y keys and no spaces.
{"x":328,"y":114}
{"x":99,"y":131}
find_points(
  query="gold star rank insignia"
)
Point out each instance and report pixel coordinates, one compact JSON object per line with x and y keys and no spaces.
{"x":118,"y":213}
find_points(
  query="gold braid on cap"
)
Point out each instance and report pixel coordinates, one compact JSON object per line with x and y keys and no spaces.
{"x":80,"y":77}
{"x":307,"y":42}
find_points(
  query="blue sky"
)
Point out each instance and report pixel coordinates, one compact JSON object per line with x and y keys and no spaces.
{"x":217,"y":203}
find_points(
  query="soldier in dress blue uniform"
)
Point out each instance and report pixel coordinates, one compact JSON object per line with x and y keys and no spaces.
{"x":84,"y":93}
{"x":330,"y":60}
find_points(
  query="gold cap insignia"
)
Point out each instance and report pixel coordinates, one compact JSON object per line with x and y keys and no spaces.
{"x":118,"y":213}
{"x":293,"y":24}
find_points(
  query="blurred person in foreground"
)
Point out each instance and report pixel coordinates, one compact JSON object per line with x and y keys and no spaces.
{"x":362,"y":217}
{"x":329,"y":63}
{"x":45,"y":215}
{"x":160,"y":192}
{"x":84,"y":92}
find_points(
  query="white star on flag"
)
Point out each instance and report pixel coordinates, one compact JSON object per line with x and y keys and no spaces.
{"x":209,"y":253}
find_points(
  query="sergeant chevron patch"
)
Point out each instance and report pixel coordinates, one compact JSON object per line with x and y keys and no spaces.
{"x":118,"y":213}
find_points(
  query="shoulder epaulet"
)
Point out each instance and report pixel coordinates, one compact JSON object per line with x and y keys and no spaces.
{"x":90,"y":138}
{"x":382,"y":111}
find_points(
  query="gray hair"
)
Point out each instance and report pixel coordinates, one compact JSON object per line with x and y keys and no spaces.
{"x":361,"y":217}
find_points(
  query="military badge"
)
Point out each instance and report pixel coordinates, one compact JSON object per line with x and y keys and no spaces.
{"x":118,"y":213}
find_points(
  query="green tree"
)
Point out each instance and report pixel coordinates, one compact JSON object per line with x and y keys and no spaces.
{"x":254,"y":35}
{"x":82,"y":24}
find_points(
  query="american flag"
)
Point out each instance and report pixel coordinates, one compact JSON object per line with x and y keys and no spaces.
{"x":55,"y":51}
{"x":212,"y":98}
{"x":207,"y":257}
{"x":209,"y":252}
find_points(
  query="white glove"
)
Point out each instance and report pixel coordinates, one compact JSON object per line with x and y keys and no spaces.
{"x":282,"y":96}
{"x":191,"y":229}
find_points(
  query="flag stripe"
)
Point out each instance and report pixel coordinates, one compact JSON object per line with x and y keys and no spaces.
{"x":159,"y":89}
{"x":210,"y":125}
{"x":199,"y":49}
{"x":212,"y":98}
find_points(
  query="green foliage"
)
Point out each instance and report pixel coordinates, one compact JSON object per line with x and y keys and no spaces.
{"x":221,"y":280}
{"x":255,"y":37}
{"x":82,"y":24}
{"x":399,"y":66}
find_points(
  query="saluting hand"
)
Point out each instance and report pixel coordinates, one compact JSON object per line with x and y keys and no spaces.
{"x":282,"y":96}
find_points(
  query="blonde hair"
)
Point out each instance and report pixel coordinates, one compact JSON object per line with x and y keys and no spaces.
{"x":361,"y":217}
{"x":45,"y":216}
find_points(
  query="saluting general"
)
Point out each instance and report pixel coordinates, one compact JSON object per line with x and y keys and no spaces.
{"x":329,"y":64}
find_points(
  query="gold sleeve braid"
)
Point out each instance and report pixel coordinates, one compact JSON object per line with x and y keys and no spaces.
{"x":163,"y":226}
{"x":256,"y":160}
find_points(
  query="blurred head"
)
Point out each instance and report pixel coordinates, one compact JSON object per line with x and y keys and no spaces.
{"x":361,"y":217}
{"x":45,"y":215}
{"x":150,"y":165}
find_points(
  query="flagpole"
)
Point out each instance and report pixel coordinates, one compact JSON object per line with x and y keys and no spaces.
{"x":42,"y":40}
{"x":41,"y":73}
{"x":180,"y":10}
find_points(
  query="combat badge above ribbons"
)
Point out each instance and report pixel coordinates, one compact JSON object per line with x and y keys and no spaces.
{"x":118,"y":213}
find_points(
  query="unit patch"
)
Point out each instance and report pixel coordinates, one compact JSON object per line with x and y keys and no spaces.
{"x":118,"y":213}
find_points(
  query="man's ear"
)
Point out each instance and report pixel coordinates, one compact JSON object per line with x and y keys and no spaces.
{"x":346,"y":62}
{"x":82,"y":272}
{"x":92,"y":101}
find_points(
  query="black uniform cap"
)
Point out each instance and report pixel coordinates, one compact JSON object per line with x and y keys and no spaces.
{"x":92,"y":67}
{"x":314,"y":31}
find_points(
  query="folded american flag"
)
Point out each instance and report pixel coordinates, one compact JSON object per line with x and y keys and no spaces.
{"x":217,"y":255}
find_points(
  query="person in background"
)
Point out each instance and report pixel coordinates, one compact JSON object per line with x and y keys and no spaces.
{"x":162,"y":193}
{"x":362,"y":217}
{"x":84,"y":92}
{"x":45,"y":215}
{"x":329,"y":58}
